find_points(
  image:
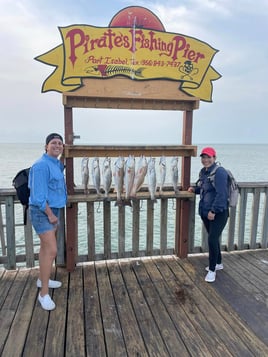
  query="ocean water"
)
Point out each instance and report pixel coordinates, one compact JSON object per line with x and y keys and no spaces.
{"x":247,"y":162}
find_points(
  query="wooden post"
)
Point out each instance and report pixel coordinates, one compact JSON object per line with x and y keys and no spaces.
{"x":71,"y":210}
{"x":183,"y":205}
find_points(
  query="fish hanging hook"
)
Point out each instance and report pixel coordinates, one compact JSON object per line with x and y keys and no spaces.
{"x":98,"y":210}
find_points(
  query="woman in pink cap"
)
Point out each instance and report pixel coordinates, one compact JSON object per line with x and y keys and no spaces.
{"x":213,"y":207}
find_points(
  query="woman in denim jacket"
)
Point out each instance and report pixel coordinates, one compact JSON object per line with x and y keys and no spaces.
{"x":47,"y":195}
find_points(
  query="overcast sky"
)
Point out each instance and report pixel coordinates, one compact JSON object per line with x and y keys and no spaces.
{"x":238,"y":113}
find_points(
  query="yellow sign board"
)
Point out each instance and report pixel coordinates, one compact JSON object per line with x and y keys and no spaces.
{"x":135,"y":52}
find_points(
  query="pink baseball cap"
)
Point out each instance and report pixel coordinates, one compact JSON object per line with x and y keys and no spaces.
{"x":208,"y":151}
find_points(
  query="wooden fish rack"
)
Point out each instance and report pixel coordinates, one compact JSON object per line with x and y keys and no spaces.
{"x":125,"y":93}
{"x":114,"y":151}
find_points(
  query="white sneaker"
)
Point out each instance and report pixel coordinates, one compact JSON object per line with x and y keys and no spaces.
{"x":211,"y":276}
{"x":218,"y":267}
{"x":46,"y":302}
{"x":53,"y":284}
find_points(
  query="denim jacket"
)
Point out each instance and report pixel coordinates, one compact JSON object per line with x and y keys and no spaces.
{"x":212,"y":199}
{"x":47,"y":183}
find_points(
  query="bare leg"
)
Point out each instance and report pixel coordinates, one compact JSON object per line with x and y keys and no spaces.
{"x":47,"y":254}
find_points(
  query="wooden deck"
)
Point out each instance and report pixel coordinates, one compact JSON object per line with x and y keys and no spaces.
{"x":157,"y":306}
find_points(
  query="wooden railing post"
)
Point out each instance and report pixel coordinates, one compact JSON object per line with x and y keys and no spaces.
{"x":10,"y":229}
{"x":183,"y":207}
{"x":71,"y":210}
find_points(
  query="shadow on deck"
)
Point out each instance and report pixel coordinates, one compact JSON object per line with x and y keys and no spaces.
{"x":157,"y":306}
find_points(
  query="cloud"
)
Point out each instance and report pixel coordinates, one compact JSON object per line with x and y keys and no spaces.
{"x":236,"y":28}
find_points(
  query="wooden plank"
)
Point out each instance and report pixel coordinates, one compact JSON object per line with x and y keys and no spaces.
{"x":258,"y":264}
{"x":2,"y":234}
{"x":151,"y":335}
{"x":61,"y":247}
{"x":18,"y":329}
{"x":123,"y":103}
{"x":29,"y":246}
{"x":71,"y":236}
{"x":132,"y":336}
{"x":95,"y":343}
{"x":10,"y":233}
{"x":145,"y":195}
{"x":261,"y":258}
{"x":242,"y":219}
{"x":171,"y":331}
{"x":233,"y":306}
{"x":36,"y":334}
{"x":75,"y":339}
{"x":91,"y":238}
{"x":211,"y":327}
{"x":10,"y":305}
{"x":231,"y":229}
{"x":123,"y":87}
{"x":249,"y":277}
{"x":55,"y":338}
{"x":124,"y":93}
{"x":151,"y":307}
{"x":192,"y":223}
{"x":135,"y":228}
{"x":197,"y":333}
{"x":107,"y":229}
{"x":150,"y":227}
{"x":6,"y":283}
{"x":163,"y":226}
{"x":114,"y":340}
{"x":254,"y":218}
{"x":71,"y":151}
{"x":121,"y":230}
{"x":264,"y":239}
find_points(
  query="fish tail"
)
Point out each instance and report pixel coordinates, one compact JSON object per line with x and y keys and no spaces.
{"x":119,"y":203}
{"x":127,"y":202}
{"x":138,"y":72}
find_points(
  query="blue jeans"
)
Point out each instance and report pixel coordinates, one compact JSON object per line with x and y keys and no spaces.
{"x":214,"y":229}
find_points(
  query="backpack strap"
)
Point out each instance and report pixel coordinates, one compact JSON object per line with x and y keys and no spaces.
{"x":212,"y":174}
{"x":25,"y":214}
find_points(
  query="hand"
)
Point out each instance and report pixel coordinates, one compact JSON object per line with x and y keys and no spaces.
{"x":191,"y":189}
{"x":211,"y":216}
{"x":53,"y":219}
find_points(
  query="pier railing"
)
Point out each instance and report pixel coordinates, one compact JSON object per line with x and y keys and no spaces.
{"x":107,"y":231}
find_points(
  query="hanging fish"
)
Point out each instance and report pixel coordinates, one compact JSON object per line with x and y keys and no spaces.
{"x":85,"y":173}
{"x":152,"y":178}
{"x":119,"y":179}
{"x":106,"y":175}
{"x":174,"y":173}
{"x":140,"y":174}
{"x":162,"y":170}
{"x":129,"y":178}
{"x":95,"y":172}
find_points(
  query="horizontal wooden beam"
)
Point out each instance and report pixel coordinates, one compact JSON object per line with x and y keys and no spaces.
{"x":124,"y":93}
{"x":93,"y":197}
{"x":122,"y":103}
{"x":115,"y":151}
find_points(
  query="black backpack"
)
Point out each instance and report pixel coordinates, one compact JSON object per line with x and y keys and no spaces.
{"x":20,"y":183}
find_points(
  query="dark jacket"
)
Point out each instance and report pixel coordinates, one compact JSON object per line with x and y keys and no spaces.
{"x":212,"y":198}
